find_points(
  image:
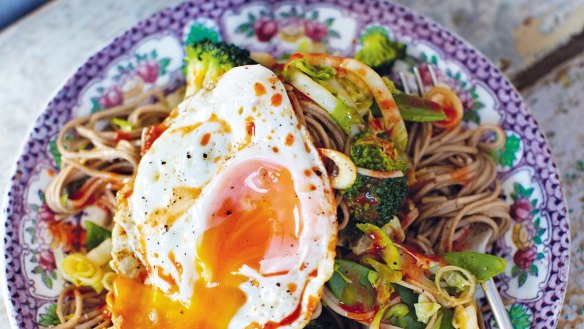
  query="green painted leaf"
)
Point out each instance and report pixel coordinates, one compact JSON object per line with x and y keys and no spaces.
{"x":529,"y":192}
{"x":471,"y":116}
{"x":243,"y":28}
{"x":314,"y":15}
{"x":154,"y":53}
{"x":434,"y":60}
{"x":251,"y":17}
{"x":533,"y":270}
{"x":54,"y":150}
{"x":329,"y":21}
{"x":95,"y":106}
{"x":37,"y":269}
{"x":250,"y":34}
{"x":333,"y":34}
{"x":164,"y":62}
{"x":199,"y":32}
{"x":580,"y":165}
{"x":49,"y":318}
{"x":537,"y":239}
{"x":47,"y":280}
{"x":477,"y":105}
{"x":540,"y":255}
{"x":519,"y":317}
{"x":508,"y":154}
{"x":522,"y":278}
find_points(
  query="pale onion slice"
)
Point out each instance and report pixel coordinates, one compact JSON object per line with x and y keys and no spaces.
{"x":347,"y":171}
{"x":380,"y":174}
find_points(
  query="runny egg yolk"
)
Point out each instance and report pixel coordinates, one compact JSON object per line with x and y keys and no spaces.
{"x":255,"y":223}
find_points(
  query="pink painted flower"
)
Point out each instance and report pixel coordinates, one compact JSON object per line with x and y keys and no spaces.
{"x":45,"y":213}
{"x":111,"y":97}
{"x":315,"y":30}
{"x":265,"y":29}
{"x":148,"y":70}
{"x":521,"y":210}
{"x":47,"y":260}
{"x":525,"y":257}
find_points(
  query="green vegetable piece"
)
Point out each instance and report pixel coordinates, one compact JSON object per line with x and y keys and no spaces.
{"x":346,"y":116}
{"x":407,"y":322}
{"x":417,"y":109}
{"x":456,"y":280}
{"x":123,"y":124}
{"x":425,"y":308}
{"x":374,"y":200}
{"x":397,"y":311}
{"x":378,"y":51}
{"x":95,"y":235}
{"x":350,"y":284}
{"x":376,"y":153}
{"x":391,"y":86}
{"x":315,"y":72}
{"x":408,"y":298}
{"x":482,"y":266}
{"x":206,"y":61}
{"x":385,"y":277}
{"x":389,"y":252}
{"x":447,"y":317}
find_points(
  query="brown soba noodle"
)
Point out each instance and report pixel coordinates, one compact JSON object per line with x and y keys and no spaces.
{"x":455,"y":182}
{"x":456,"y":186}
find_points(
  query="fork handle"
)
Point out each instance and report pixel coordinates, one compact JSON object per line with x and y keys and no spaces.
{"x":497,"y":307}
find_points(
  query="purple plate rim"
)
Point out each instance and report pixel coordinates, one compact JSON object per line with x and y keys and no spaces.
{"x":128,"y":39}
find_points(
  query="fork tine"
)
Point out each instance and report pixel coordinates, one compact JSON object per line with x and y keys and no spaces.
{"x":419,"y":81}
{"x":404,"y":82}
{"x":432,"y":75}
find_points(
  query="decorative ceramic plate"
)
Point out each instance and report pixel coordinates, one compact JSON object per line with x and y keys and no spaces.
{"x":537,"y":246}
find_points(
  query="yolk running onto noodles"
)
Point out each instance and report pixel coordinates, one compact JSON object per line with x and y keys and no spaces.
{"x":257,"y":221}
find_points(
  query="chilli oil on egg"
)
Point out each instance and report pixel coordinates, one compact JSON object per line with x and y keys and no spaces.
{"x":230,"y":220}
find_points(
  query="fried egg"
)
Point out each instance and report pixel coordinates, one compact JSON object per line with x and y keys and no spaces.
{"x":230,"y":220}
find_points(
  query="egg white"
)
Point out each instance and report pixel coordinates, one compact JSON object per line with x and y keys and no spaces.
{"x":178,"y":159}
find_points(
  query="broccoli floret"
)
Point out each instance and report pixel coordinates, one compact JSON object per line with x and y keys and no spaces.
{"x":207,"y":60}
{"x":374,"y":200}
{"x":378,"y":51}
{"x":376,"y":153}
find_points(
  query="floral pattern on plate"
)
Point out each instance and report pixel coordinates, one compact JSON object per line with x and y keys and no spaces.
{"x":151,"y":55}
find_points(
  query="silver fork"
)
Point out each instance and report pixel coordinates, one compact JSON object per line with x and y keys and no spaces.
{"x":478,"y":238}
